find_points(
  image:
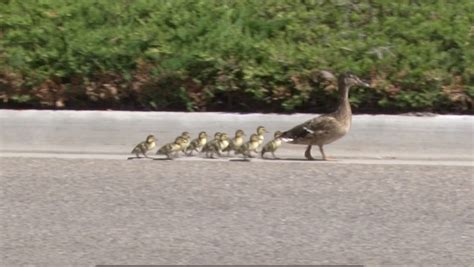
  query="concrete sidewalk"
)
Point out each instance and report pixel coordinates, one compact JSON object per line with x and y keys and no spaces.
{"x":95,"y":133}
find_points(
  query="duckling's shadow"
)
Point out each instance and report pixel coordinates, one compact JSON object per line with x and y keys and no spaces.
{"x":162,"y":159}
{"x":131,"y":158}
{"x":241,"y":160}
{"x":298,"y":159}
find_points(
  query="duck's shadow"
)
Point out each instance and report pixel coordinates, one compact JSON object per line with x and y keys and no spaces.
{"x":162,"y":159}
{"x":240,"y":160}
{"x":237,"y":159}
{"x":132,"y":158}
{"x":148,"y":158}
{"x":298,"y":159}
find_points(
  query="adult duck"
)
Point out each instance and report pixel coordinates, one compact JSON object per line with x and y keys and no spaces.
{"x":326,"y":128}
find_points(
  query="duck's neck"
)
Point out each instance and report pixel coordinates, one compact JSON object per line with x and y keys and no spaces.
{"x":343,"y":111}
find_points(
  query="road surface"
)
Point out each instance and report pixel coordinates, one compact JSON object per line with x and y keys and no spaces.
{"x":400,"y":194}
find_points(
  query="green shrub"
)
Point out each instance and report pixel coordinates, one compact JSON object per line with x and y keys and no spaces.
{"x":236,"y":55}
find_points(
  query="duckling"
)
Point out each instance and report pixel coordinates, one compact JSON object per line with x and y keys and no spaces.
{"x":145,"y":146}
{"x":223,"y":141}
{"x":248,"y":147}
{"x":215,"y":146}
{"x":260,"y":132}
{"x":217,"y":137}
{"x":273,"y":145}
{"x":187,"y":140}
{"x":235,"y":142}
{"x":172,"y":148}
{"x":326,"y":128}
{"x":197,"y":143}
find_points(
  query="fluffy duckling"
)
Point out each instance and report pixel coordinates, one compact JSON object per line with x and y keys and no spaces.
{"x":273,"y":145}
{"x":216,"y":146}
{"x":187,"y":140}
{"x":235,"y":142}
{"x":197,"y":144}
{"x":248,"y":147}
{"x":217,"y":137}
{"x":172,"y":148}
{"x":223,"y":141}
{"x":145,"y":146}
{"x":260,"y":132}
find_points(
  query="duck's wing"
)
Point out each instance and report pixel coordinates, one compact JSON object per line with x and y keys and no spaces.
{"x":241,"y":149}
{"x":268,"y":146}
{"x":138,"y":148}
{"x":310,"y":129}
{"x":164,"y":149}
{"x":231,"y":145}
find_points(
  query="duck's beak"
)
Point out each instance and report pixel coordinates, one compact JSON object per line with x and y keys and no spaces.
{"x":363,"y":83}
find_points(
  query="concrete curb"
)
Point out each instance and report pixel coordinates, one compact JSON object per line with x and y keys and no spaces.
{"x":441,"y":137}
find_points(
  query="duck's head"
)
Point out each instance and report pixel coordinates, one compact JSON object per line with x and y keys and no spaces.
{"x":202,"y":135}
{"x":223,"y":136}
{"x":186,"y":134}
{"x":254,"y":138}
{"x":277,"y":134}
{"x":217,"y":135}
{"x":239,"y":133}
{"x":180,"y":140}
{"x":150,"y":139}
{"x":348,"y":79}
{"x":261,"y":130}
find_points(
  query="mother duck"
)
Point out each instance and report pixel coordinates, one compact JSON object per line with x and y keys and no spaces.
{"x":326,"y":128}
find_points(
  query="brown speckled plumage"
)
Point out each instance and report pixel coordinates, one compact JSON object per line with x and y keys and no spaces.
{"x":326,"y":128}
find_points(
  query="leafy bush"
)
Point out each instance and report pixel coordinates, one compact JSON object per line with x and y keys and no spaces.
{"x":236,"y":55}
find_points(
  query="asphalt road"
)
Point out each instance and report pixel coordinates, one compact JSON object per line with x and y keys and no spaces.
{"x":81,"y":212}
{"x":399,"y":193}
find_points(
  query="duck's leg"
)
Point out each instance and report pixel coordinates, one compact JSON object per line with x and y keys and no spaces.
{"x":322,"y":152}
{"x":274,"y":156}
{"x":307,"y":153}
{"x":256,"y":152}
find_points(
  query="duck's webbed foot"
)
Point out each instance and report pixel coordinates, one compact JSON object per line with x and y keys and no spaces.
{"x":307,"y":153}
{"x":324,"y":154}
{"x":274,"y":156}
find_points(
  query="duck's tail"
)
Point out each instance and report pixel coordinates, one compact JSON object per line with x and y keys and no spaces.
{"x":295,"y":133}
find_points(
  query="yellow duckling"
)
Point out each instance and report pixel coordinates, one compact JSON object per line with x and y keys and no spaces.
{"x":215,"y":146}
{"x":235,"y":142}
{"x":248,"y":147}
{"x":187,"y":140}
{"x":273,"y":145}
{"x":172,"y":148}
{"x":145,"y":146}
{"x":197,"y":144}
{"x":223,"y":142}
{"x":260,"y":132}
{"x":217,"y":137}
